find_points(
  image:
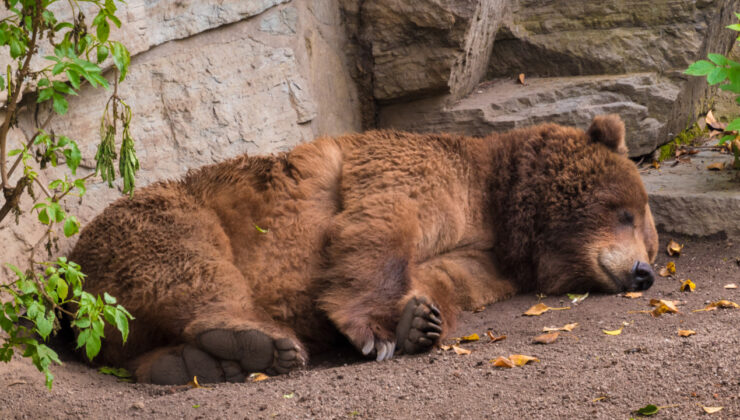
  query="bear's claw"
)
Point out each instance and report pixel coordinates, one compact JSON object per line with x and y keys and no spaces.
{"x":420,"y":326}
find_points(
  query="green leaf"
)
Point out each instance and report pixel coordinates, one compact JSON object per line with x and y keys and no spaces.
{"x":121,"y":59}
{"x":74,"y":78}
{"x":73,"y":156}
{"x":60,"y":104}
{"x":59,"y":67}
{"x":102,"y":53}
{"x":80,"y":184}
{"x":110,"y":300}
{"x":82,"y":323}
{"x":62,"y":289}
{"x":103,"y":30}
{"x":734,"y":125}
{"x":648,"y":410}
{"x":718,"y":59}
{"x":44,"y":216}
{"x":16,"y":49}
{"x":726,"y":139}
{"x":734,"y":27}
{"x":44,"y":324}
{"x":260,"y":230}
{"x":700,"y":68}
{"x":122,"y":324}
{"x":71,"y":226}
{"x":63,"y":88}
{"x":14,"y":152}
{"x":45,"y":94}
{"x":718,"y":74}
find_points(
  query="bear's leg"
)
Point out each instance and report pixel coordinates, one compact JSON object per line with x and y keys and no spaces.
{"x":463,"y":279}
{"x":369,"y":256}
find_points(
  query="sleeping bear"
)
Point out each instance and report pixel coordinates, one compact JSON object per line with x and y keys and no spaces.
{"x":382,"y":238}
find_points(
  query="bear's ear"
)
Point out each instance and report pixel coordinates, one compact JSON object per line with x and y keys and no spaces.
{"x":609,"y":131}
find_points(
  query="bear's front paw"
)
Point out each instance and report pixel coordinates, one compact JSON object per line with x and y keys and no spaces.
{"x":420,"y":326}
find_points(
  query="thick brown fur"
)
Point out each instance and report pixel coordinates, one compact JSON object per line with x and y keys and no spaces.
{"x":357,"y":226}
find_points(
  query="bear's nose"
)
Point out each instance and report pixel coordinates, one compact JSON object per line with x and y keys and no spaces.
{"x":642,"y":276}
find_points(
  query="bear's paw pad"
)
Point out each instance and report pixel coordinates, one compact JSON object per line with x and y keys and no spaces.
{"x":420,"y":326}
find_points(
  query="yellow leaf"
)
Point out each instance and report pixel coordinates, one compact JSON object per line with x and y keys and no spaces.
{"x":686,"y":333}
{"x":664,"y":272}
{"x":445,"y":348}
{"x":674,"y":248}
{"x":541,"y":308}
{"x":716,"y":166}
{"x":467,"y":338}
{"x":731,"y":286}
{"x":461,"y":351}
{"x":521,"y":360}
{"x":688,"y":286}
{"x":656,"y":164}
{"x":547,"y":338}
{"x":493,"y":337}
{"x":566,"y":327}
{"x":633,"y":295}
{"x":613,"y":332}
{"x":521,"y":78}
{"x":724,"y":304}
{"x":257,"y":377}
{"x":711,"y":410}
{"x":599,"y":399}
{"x":479,"y":309}
{"x":502,"y":361}
{"x":664,"y":306}
{"x":671,"y":266}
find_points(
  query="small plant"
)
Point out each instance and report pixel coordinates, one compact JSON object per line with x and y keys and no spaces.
{"x":684,"y":138}
{"x":47,"y":290}
{"x":725,"y":72}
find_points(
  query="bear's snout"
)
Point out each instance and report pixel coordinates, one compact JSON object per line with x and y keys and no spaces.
{"x":643,"y":276}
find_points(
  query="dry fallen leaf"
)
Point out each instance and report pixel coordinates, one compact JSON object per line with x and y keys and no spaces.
{"x":688,"y":286}
{"x":674,"y":248}
{"x":460,"y":350}
{"x":541,"y":308}
{"x":686,"y":333}
{"x":521,"y":360}
{"x":468,"y":338}
{"x":711,"y":410}
{"x":671,"y":267}
{"x":445,"y":348}
{"x":502,"y":361}
{"x":521,"y":78}
{"x":257,"y":377}
{"x":724,"y":304}
{"x":566,"y":327}
{"x":633,"y":295}
{"x":716,"y":166}
{"x":713,"y":123}
{"x":613,"y":332}
{"x":548,"y":338}
{"x":479,"y":309}
{"x":494,"y":338}
{"x":657,"y":302}
{"x":577,"y":298}
{"x":656,"y":164}
{"x":664,"y":306}
{"x":731,"y":286}
{"x":597,"y":399}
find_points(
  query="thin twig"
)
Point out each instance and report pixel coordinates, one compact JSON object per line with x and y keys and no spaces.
{"x":13,"y":100}
{"x":29,"y":142}
{"x":43,"y":187}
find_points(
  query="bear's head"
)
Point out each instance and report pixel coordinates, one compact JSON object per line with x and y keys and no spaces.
{"x":576,"y":216}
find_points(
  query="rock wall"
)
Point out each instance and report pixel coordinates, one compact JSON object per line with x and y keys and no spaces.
{"x":579,"y":58}
{"x":208,"y":81}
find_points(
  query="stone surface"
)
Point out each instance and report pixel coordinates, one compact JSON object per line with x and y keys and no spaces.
{"x":211,"y":82}
{"x":690,"y":199}
{"x":429,"y":46}
{"x":635,"y":50}
{"x":641,"y":99}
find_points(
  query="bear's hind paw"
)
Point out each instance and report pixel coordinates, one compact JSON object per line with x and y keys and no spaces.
{"x":420,"y":326}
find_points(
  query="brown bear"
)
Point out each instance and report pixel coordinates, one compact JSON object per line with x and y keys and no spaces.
{"x":381,"y":237}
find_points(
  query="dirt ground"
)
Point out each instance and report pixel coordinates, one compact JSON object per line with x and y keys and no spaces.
{"x":584,"y":374}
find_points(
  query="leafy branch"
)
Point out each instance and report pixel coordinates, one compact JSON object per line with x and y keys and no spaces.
{"x":48,"y":290}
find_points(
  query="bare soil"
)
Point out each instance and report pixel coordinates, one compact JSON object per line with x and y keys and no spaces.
{"x":584,"y":374}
